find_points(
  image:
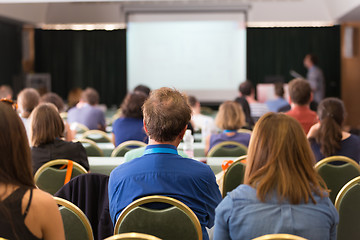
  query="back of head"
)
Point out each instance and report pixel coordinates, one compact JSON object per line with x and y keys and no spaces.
{"x":91,"y":96}
{"x":279,"y":90}
{"x":166,"y":114}
{"x":45,"y":124}
{"x":15,"y":158}
{"x":246,"y":88}
{"x":142,"y":88}
{"x":230,"y":116}
{"x":132,"y":105}
{"x":331,"y":113}
{"x":27,"y":100}
{"x":300,"y":91}
{"x":54,"y":99}
{"x":74,"y":96}
{"x":6,"y":92}
{"x":280,"y":160}
{"x":192,"y":101}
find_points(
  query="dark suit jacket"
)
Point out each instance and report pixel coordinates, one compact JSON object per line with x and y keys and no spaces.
{"x":59,"y":149}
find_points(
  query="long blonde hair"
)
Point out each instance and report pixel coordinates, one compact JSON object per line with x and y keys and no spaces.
{"x":230,"y":116}
{"x":280,"y":159}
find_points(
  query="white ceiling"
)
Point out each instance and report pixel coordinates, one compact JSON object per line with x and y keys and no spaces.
{"x":260,"y":13}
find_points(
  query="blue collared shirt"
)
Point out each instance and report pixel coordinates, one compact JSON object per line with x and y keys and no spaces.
{"x":168,"y":174}
{"x":242,"y":216}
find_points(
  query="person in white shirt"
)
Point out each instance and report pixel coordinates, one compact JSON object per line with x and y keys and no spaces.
{"x":198,"y":120}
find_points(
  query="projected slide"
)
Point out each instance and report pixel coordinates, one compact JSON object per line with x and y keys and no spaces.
{"x":201,"y":54}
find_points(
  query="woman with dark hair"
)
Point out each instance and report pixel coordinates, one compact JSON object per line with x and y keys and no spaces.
{"x":327,"y":137}
{"x":130,"y":125}
{"x":47,"y":129}
{"x":25,"y":211}
{"x":282,"y":192}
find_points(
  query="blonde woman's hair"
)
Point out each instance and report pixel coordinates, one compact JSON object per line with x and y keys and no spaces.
{"x":230,"y":116}
{"x":280,"y":159}
{"x":46,"y":124}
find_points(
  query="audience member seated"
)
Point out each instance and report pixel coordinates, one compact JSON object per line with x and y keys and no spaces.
{"x":230,"y":118}
{"x":86,"y":111}
{"x":59,"y":103}
{"x":282,"y":193}
{"x":130,"y":125}
{"x":6,"y":92}
{"x":26,"y":212}
{"x":47,"y":129}
{"x":199,"y":121}
{"x":161,"y":171}
{"x":278,"y":103}
{"x":243,"y":91}
{"x":300,"y":98}
{"x":74,"y":97}
{"x":27,"y":100}
{"x":257,"y":109}
{"x":327,"y":138}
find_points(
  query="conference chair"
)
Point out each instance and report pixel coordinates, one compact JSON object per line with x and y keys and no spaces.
{"x":336,"y":176}
{"x":124,"y":147}
{"x":234,"y":175}
{"x":96,"y":136}
{"x":228,"y":149}
{"x":347,"y":204}
{"x":177,"y":221}
{"x":132,"y":236}
{"x":279,"y":237}
{"x":78,"y":127}
{"x":54,"y":174}
{"x":76,"y":224}
{"x":64,"y":115}
{"x":89,"y":192}
{"x":92,"y":149}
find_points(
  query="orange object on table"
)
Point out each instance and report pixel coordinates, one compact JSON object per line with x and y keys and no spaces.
{"x":225,"y":164}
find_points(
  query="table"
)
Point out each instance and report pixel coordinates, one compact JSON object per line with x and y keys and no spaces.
{"x":105,"y":165}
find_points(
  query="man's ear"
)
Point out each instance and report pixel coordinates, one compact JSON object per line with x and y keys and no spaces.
{"x":182,"y":133}
{"x":145,"y":127}
{"x":289,"y":99}
{"x":311,"y":97}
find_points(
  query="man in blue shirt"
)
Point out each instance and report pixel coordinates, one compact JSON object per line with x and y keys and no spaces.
{"x":161,"y":171}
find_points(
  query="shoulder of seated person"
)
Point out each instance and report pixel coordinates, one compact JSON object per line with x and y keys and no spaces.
{"x":41,"y":200}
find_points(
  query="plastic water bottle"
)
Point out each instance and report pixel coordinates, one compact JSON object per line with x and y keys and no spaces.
{"x":189,"y":144}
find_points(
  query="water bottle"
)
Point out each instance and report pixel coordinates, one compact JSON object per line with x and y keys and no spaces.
{"x":205,"y":130}
{"x":189,"y":144}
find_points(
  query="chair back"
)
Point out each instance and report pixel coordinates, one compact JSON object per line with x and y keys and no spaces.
{"x":234,"y":175}
{"x":175,"y":222}
{"x":279,"y":237}
{"x":96,"y":136}
{"x":76,"y":224}
{"x":91,"y":148}
{"x":347,"y":204}
{"x":336,"y":176}
{"x":50,"y":178}
{"x":228,"y":149}
{"x":78,"y":127}
{"x":64,"y":115}
{"x":132,"y":236}
{"x":124,"y":147}
{"x":244,"y":130}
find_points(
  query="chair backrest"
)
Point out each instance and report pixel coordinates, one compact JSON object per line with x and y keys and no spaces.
{"x":50,"y":178}
{"x":279,"y":237}
{"x":175,"y":222}
{"x":347,"y":204}
{"x":336,"y":176}
{"x":78,"y":127}
{"x":64,"y":115}
{"x":76,"y":224}
{"x":243,"y":130}
{"x":132,"y":236}
{"x":124,"y":147}
{"x":228,"y":149}
{"x":234,"y":175}
{"x":91,"y":148}
{"x":96,"y":136}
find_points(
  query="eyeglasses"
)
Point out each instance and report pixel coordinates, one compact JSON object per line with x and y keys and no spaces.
{"x":9,"y":101}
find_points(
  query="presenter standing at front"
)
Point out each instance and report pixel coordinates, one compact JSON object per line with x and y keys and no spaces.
{"x":315,"y":77}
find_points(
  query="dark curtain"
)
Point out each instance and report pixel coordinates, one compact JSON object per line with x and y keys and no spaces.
{"x":276,"y":51}
{"x":84,"y":59}
{"x":10,"y":51}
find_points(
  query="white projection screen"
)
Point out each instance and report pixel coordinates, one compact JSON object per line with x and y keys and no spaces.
{"x":202,"y":54}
